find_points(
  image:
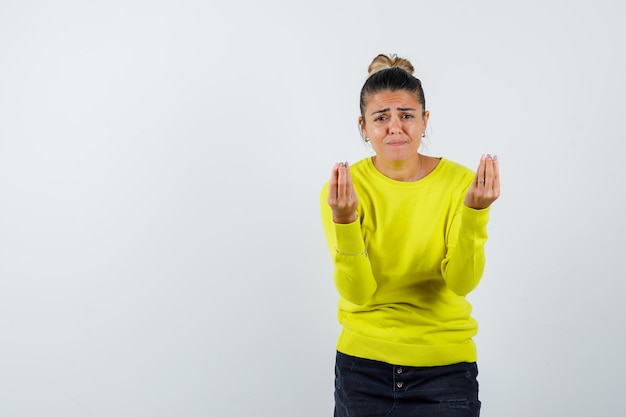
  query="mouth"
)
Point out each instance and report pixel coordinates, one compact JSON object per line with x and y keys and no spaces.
{"x":396,"y":143}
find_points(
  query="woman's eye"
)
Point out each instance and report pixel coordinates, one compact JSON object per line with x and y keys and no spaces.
{"x":407,"y":116}
{"x":380,"y":118}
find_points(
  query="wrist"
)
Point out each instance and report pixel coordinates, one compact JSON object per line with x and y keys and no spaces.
{"x":345,"y":219}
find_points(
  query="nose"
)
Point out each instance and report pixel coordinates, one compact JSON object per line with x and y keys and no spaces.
{"x":394,"y":126}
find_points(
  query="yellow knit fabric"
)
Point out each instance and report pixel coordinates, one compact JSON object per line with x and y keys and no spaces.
{"x":402,"y":270}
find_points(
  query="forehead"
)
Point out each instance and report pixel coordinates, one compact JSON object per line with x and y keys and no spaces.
{"x":392,"y":99}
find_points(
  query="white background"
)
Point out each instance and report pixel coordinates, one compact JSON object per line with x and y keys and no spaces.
{"x":161,"y":252}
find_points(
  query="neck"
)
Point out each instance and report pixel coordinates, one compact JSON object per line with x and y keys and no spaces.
{"x":409,"y":170}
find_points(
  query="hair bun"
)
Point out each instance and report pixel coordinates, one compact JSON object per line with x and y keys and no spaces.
{"x":383,"y":61}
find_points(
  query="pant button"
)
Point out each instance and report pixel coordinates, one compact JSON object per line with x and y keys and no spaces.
{"x":400,"y":384}
{"x":399,"y":371}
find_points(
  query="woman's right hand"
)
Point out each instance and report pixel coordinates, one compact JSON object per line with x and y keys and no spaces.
{"x":342,"y":197}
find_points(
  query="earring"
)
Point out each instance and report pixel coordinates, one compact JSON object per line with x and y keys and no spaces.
{"x":367,"y":139}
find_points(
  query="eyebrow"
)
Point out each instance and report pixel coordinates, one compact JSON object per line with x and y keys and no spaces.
{"x":385,"y":110}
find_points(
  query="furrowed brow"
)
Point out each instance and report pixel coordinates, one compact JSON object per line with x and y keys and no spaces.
{"x":380,"y":111}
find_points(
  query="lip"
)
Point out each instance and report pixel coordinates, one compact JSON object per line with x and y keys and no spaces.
{"x":397,"y":143}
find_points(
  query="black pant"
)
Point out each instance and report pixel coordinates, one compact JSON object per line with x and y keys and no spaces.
{"x":367,"y":388}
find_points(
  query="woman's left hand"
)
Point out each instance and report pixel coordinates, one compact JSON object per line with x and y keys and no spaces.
{"x":486,"y":186}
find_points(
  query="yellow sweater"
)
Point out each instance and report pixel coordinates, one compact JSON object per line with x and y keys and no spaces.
{"x":403,"y":268}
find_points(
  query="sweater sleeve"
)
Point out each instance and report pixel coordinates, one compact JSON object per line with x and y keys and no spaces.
{"x":353,"y":275}
{"x":464,"y":263}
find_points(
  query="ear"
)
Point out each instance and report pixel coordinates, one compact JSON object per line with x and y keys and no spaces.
{"x":425,"y":117}
{"x":362,"y":126}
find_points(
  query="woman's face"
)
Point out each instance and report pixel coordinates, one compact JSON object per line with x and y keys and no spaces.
{"x":394,"y":123}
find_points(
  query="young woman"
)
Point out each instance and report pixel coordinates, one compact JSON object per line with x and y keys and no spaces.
{"x":406,"y":233}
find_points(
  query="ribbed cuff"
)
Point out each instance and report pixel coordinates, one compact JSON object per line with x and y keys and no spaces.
{"x":478,"y":218}
{"x":349,"y":237}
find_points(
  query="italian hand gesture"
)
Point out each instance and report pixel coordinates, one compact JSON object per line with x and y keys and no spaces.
{"x":342,"y":197}
{"x":486,"y":186}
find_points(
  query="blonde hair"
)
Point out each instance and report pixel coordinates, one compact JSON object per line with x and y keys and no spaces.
{"x":382,"y":61}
